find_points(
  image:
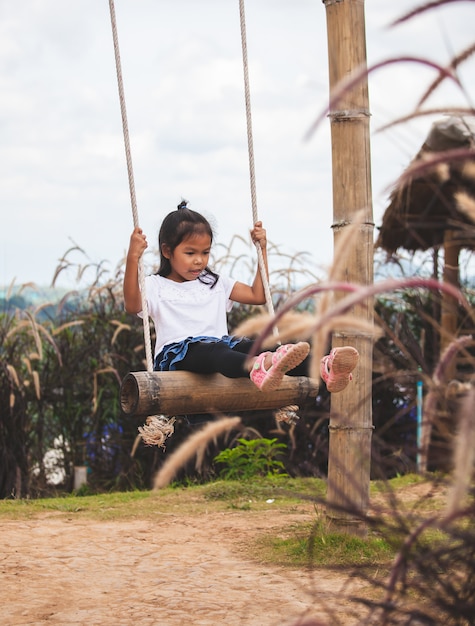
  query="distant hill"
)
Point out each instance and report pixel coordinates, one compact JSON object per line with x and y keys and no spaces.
{"x":30,"y":296}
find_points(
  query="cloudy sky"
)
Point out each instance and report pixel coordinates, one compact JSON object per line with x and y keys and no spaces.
{"x":63,"y":175}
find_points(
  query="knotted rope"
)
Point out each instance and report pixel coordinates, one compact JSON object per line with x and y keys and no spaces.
{"x":158,"y":427}
{"x":285,"y":414}
{"x":250,"y":147}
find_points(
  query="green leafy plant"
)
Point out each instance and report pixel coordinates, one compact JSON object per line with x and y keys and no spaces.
{"x":250,"y":458}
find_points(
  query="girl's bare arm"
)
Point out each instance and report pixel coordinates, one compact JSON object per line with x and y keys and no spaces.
{"x":255,"y":293}
{"x":131,"y":287}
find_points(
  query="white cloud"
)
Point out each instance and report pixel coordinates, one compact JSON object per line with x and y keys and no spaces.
{"x":62,"y":165}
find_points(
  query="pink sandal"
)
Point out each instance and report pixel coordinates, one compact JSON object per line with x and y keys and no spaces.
{"x":284,"y":359}
{"x":336,"y":367}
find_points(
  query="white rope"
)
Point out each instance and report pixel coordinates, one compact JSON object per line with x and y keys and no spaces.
{"x":158,"y":420}
{"x":289,"y":413}
{"x":250,"y":145}
{"x":130,"y":171}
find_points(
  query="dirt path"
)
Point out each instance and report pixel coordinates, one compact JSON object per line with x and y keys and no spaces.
{"x":171,"y":571}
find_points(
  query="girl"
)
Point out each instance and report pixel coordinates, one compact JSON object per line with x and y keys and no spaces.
{"x":188,"y":303}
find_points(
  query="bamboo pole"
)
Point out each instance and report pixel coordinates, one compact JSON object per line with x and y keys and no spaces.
{"x":351,"y":410}
{"x":185,"y":393}
{"x":449,"y":312}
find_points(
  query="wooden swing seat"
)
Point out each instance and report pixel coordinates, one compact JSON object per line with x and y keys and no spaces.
{"x":184,"y":393}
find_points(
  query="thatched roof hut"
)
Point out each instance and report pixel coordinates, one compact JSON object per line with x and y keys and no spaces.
{"x":432,"y":206}
{"x":436,"y":193}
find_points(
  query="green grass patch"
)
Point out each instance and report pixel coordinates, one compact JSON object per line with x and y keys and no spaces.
{"x":397,"y":483}
{"x":315,"y":546}
{"x":102,"y":505}
{"x":123,"y":505}
{"x":189,"y":500}
{"x":261,"y":489}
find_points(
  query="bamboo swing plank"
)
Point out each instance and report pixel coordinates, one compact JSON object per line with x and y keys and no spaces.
{"x":184,"y":393}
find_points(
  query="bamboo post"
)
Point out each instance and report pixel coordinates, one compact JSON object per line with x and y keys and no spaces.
{"x":449,"y":313}
{"x":351,"y":410}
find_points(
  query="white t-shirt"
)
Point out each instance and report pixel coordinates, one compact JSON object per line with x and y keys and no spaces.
{"x":189,"y":309}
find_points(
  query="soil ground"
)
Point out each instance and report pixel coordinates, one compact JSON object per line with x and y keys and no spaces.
{"x":171,"y":570}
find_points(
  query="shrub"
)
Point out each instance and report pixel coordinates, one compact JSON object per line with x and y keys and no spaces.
{"x":250,"y":458}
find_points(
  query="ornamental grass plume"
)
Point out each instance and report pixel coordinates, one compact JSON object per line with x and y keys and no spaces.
{"x":333,"y":315}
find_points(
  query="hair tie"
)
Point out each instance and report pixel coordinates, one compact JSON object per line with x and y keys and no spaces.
{"x":182,"y":205}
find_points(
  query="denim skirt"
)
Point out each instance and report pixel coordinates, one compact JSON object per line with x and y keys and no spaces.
{"x":173,"y":353}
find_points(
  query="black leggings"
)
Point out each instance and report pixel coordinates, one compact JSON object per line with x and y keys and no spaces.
{"x":209,"y":358}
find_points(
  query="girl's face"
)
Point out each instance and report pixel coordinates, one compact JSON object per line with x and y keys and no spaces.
{"x":189,"y":258}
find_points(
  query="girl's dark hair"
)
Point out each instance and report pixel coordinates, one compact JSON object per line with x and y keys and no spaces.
{"x":178,"y":226}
